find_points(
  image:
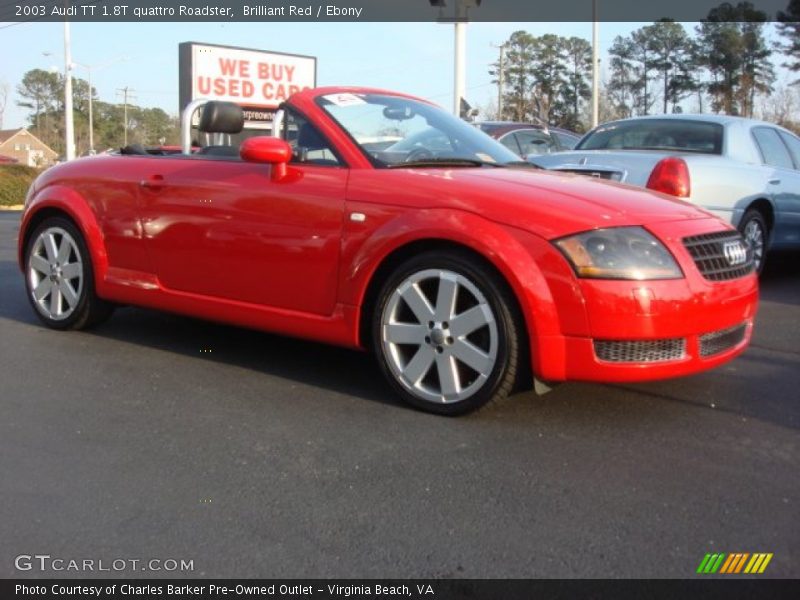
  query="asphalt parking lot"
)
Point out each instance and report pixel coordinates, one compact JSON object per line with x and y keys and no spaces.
{"x":157,"y":436}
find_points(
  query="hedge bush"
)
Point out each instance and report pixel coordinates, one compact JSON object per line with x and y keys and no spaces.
{"x":14,"y":183}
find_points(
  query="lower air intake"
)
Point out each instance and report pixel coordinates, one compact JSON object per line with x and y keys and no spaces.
{"x":642,"y":351}
{"x":722,"y":340}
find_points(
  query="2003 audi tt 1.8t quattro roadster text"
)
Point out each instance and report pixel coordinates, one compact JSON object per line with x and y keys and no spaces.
{"x":375,"y":220}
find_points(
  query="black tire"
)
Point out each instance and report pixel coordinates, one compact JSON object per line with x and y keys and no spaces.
{"x":478,"y":287}
{"x":754,"y":228}
{"x":87,"y":308}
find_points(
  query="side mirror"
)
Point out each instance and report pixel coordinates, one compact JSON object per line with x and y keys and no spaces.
{"x":269,"y":150}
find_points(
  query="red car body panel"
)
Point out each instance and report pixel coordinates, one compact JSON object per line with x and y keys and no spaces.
{"x":222,"y":240}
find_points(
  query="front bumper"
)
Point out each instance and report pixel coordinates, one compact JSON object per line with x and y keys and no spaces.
{"x":585,"y":365}
{"x":645,"y":330}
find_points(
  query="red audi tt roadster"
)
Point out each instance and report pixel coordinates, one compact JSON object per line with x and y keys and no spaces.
{"x":375,"y":220}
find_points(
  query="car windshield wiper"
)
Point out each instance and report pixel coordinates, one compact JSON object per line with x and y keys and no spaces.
{"x":444,"y":162}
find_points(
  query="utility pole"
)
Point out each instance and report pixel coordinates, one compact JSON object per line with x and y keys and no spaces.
{"x":126,"y":93}
{"x":595,"y":67}
{"x":500,"y":80}
{"x":69,"y":126}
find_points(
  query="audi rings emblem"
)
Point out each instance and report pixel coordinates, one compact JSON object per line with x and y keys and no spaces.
{"x":735,"y":253}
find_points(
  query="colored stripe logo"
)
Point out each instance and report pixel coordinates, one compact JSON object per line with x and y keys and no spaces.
{"x":734,"y":563}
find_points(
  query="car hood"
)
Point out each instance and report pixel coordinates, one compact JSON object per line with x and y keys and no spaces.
{"x":552,"y":204}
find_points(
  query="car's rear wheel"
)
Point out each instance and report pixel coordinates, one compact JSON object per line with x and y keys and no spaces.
{"x":59,"y":277}
{"x":445,"y":335}
{"x":753,"y":228}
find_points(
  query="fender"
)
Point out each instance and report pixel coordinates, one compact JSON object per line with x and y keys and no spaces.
{"x":496,"y":243}
{"x":744,"y":204}
{"x":67,"y":200}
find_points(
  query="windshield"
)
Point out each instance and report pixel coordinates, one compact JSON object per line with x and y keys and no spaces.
{"x":656,"y":134}
{"x":396,"y":132}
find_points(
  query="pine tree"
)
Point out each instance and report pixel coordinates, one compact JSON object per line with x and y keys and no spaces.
{"x":789,"y":29}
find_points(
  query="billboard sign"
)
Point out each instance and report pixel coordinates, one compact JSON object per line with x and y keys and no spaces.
{"x":255,"y":79}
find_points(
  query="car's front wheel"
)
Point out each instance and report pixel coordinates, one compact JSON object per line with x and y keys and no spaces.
{"x":445,"y":335}
{"x":59,"y":277}
{"x":754,"y":230}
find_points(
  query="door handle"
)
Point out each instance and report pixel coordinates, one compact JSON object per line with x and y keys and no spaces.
{"x":774,"y":181}
{"x":155,"y":182}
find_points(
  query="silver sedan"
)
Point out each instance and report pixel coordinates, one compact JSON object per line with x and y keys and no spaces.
{"x":744,"y":171}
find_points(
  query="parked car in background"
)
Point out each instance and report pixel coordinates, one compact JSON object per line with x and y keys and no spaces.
{"x":743,"y":170}
{"x":7,"y":160}
{"x":524,"y":139}
{"x":463,"y":268}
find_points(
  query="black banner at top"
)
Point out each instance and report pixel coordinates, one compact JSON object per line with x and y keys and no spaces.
{"x":379,"y":10}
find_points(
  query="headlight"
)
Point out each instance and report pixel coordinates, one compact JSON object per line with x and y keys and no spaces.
{"x":619,"y":253}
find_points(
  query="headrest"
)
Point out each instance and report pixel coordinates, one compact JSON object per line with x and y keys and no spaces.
{"x":221,"y":117}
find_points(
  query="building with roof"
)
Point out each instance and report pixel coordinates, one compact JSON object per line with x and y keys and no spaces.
{"x":25,"y":147}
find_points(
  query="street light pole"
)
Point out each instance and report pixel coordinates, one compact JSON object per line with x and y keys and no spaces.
{"x":89,"y":69}
{"x":69,"y":127}
{"x":595,"y":67}
{"x":460,"y":66}
{"x":460,"y":15}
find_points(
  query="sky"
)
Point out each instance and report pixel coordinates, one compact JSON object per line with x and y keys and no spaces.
{"x":415,"y":58}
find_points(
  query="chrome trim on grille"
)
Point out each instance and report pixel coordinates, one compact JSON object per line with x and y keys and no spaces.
{"x":718,"y":256}
{"x":640,"y":351}
{"x":717,"y":342}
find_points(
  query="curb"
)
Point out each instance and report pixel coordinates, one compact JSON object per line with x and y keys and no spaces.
{"x":13,"y":207}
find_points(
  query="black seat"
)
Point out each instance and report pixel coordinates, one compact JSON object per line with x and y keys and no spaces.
{"x":221,"y":118}
{"x":136,"y":149}
{"x":231,"y":151}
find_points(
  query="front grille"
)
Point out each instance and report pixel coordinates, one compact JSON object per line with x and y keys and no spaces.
{"x":640,"y":351}
{"x":709,"y":254}
{"x":722,"y":340}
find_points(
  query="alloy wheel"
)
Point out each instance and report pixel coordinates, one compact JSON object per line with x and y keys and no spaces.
{"x":439,"y":336}
{"x":754,"y":235}
{"x":55,"y":273}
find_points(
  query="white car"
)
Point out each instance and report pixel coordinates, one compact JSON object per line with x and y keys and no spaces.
{"x":743,"y":170}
